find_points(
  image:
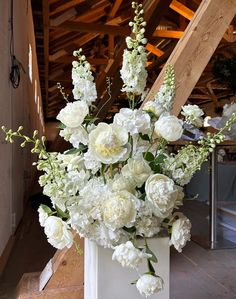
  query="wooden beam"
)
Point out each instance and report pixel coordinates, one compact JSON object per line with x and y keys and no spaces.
{"x":45,"y":5}
{"x":168,"y":34}
{"x":182,"y":9}
{"x":68,"y":59}
{"x":154,"y":50}
{"x":196,"y":47}
{"x":94,"y":27}
{"x":115,"y":8}
{"x":64,"y":7}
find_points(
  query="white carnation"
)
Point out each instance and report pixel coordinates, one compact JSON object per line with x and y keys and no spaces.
{"x":169,"y":127}
{"x":135,"y":121}
{"x":180,"y":232}
{"x":58,"y":233}
{"x":137,"y":170}
{"x":109,"y":143}
{"x":73,"y":114}
{"x":162,"y":193}
{"x":120,"y":209}
{"x":148,"y":284}
{"x":128,"y":255}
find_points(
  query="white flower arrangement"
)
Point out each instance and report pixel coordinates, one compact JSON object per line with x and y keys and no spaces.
{"x":118,"y":182}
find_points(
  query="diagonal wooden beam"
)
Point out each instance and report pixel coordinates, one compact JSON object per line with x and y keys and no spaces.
{"x":168,"y":34}
{"x":196,"y":47}
{"x":154,"y":50}
{"x":115,"y":8}
{"x":45,"y":5}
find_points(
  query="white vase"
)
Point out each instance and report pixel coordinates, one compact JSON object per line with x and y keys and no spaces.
{"x":107,"y":279}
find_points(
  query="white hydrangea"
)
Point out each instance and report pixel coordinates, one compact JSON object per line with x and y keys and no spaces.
{"x":128,"y":255}
{"x":169,"y":127}
{"x":109,"y":143}
{"x":180,"y":233}
{"x":148,"y":284}
{"x":135,"y":121}
{"x":193,"y":114}
{"x":58,"y":233}
{"x":120,"y":209}
{"x":162,"y":193}
{"x":133,"y":71}
{"x":73,"y":114}
{"x":137,"y":170}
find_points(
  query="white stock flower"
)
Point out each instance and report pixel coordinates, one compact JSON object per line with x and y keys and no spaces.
{"x":42,"y":216}
{"x":229,"y":109}
{"x":73,"y":114}
{"x":180,"y":233}
{"x":193,"y":114}
{"x":137,"y":170}
{"x":169,"y":127}
{"x":162,"y":193}
{"x":134,"y":121}
{"x":128,"y":255}
{"x":120,"y":209}
{"x":153,"y":107}
{"x":133,"y":71}
{"x":109,"y":143}
{"x":148,"y":284}
{"x":58,"y":233}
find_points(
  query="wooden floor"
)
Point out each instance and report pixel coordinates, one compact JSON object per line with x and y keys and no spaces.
{"x":195,"y":274}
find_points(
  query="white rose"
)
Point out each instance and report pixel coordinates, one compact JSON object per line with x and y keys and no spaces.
{"x":137,"y":169}
{"x":73,"y":114}
{"x":57,"y":232}
{"x":135,"y":121}
{"x":169,"y":127}
{"x":42,"y":216}
{"x":109,"y":143}
{"x":153,"y":107}
{"x":128,"y":255}
{"x":162,"y":193}
{"x":148,"y":284}
{"x":120,"y":210}
{"x":180,"y":232}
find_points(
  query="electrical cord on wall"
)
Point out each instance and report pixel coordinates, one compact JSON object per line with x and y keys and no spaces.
{"x":16,"y":65}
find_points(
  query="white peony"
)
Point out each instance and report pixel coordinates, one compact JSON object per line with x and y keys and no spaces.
{"x":58,"y":233}
{"x":180,"y":232}
{"x":120,"y":209}
{"x":148,"y":284}
{"x":42,"y":216}
{"x":73,"y":114}
{"x":169,"y":127}
{"x":162,"y":193}
{"x":128,"y":255}
{"x":109,"y":143}
{"x":135,"y":121}
{"x":120,"y":182}
{"x":137,"y":170}
{"x":193,"y":114}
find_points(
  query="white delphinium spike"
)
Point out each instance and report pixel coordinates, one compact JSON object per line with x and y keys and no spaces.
{"x":133,"y":72}
{"x":82,"y":79}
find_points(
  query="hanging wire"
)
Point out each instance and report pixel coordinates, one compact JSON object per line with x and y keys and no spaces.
{"x":16,"y":65}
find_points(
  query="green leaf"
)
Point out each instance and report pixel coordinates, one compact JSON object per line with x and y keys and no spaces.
{"x":73,"y":151}
{"x":160,"y":158}
{"x":61,"y":126}
{"x":144,"y":136}
{"x":153,"y":257}
{"x":148,"y":156}
{"x":155,"y":167}
{"x":130,"y":229}
{"x":151,"y":114}
{"x":60,"y":213}
{"x":46,"y":209}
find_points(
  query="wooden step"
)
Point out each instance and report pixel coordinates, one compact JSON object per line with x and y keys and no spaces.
{"x":62,"y":278}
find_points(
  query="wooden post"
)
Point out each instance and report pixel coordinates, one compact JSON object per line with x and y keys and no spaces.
{"x":196,"y":47}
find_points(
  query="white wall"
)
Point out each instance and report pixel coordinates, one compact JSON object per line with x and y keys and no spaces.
{"x":17,"y":107}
